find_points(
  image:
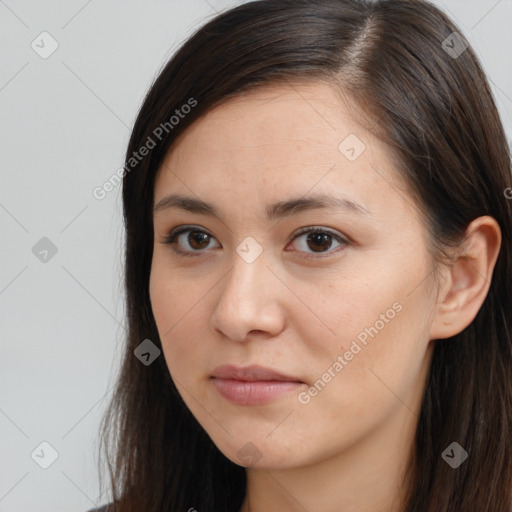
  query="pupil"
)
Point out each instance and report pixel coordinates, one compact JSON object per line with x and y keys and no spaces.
{"x":197,"y":237}
{"x":320,"y":239}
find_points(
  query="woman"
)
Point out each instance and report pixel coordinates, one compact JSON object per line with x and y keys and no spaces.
{"x":318,"y":269}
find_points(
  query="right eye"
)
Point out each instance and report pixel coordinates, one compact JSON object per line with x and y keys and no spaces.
{"x":196,"y":239}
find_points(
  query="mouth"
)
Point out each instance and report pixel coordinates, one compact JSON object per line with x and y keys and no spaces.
{"x":252,"y":385}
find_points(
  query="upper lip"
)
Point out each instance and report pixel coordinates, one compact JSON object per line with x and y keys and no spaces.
{"x":250,"y":373}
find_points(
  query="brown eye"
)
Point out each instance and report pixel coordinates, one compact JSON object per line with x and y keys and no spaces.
{"x":318,"y":240}
{"x":198,"y":239}
{"x":194,"y":242}
{"x":189,"y":241}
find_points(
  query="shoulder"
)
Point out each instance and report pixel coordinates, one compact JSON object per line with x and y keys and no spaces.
{"x":101,"y":509}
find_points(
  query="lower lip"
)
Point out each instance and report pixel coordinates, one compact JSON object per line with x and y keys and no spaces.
{"x":258,"y":392}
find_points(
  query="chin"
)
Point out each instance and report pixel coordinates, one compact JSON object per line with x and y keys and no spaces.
{"x":260,"y":453}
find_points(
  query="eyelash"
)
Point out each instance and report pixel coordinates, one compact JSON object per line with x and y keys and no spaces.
{"x":171,"y":238}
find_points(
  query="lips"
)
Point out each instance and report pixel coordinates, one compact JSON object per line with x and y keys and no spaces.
{"x":253,"y":385}
{"x":250,"y":373}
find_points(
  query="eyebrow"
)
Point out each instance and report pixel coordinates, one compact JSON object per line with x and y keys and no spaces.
{"x":274,"y":211}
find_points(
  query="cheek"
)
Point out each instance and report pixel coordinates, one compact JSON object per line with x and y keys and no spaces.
{"x":171,"y":296}
{"x":179,"y":314}
{"x":379,"y":376}
{"x":380,"y":318}
{"x":167,"y":305}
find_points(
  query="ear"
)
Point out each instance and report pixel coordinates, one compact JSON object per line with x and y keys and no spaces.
{"x":467,"y":280}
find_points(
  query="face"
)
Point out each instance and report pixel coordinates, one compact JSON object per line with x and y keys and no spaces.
{"x":330,"y":293}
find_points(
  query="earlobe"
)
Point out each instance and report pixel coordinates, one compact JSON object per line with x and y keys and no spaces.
{"x":468,"y":279}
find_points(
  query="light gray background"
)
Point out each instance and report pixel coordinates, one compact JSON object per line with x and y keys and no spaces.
{"x":64,"y":126}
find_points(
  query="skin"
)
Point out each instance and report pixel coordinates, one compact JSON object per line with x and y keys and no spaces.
{"x":346,"y":449}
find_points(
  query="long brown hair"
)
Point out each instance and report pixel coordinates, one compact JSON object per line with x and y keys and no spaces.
{"x":406,"y":65}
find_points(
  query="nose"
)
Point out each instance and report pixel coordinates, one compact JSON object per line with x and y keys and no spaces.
{"x":250,"y":301}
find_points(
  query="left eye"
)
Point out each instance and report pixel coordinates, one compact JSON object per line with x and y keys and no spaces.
{"x":318,"y":240}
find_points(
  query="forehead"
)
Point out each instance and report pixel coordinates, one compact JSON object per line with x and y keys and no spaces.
{"x":278,"y":140}
{"x":275,"y":117}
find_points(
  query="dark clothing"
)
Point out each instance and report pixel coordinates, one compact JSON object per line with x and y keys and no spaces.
{"x":101,"y":509}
